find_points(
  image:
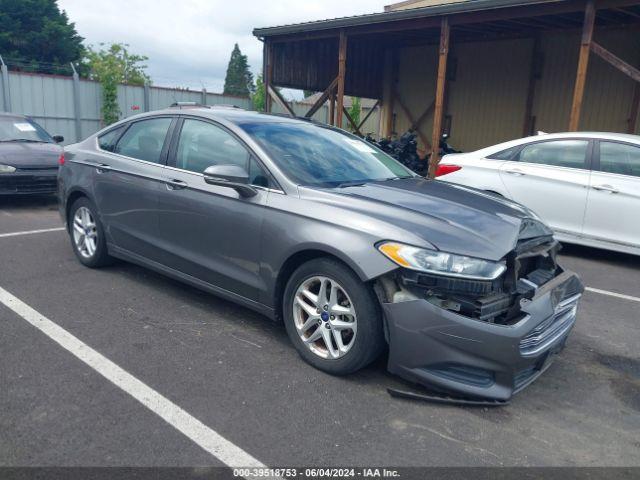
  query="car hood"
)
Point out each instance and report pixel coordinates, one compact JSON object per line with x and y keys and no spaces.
{"x":452,"y":218}
{"x":30,"y":155}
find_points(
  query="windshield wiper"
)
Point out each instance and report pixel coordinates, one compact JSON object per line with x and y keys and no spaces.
{"x":23,"y":140}
{"x":395,"y":178}
{"x":357,"y":183}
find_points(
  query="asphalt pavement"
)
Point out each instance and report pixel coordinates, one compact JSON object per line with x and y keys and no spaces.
{"x":236,"y":373}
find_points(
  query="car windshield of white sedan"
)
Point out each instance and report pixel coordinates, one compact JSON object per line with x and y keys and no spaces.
{"x":319,"y":156}
{"x":14,"y":129}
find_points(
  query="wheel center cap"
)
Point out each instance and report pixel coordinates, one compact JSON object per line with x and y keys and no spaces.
{"x":324,"y":316}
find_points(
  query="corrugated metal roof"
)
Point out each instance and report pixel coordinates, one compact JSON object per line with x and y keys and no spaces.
{"x":383,"y":17}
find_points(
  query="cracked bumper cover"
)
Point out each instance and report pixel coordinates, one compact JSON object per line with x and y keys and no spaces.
{"x":442,"y":349}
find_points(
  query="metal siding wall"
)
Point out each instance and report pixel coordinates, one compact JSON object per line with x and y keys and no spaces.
{"x":164,"y":97}
{"x":46,"y":99}
{"x":608,"y":92}
{"x":215,"y":99}
{"x":322,"y":116}
{"x":371,"y":125}
{"x":49,"y":101}
{"x":417,"y":67}
{"x":90,"y":107}
{"x":130,"y":100}
{"x":3,"y":107}
{"x":487,"y":98}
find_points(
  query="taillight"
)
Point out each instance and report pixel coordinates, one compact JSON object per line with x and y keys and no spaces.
{"x":61,"y":159}
{"x":445,"y":169}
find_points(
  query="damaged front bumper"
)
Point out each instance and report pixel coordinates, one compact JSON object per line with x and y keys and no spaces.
{"x":442,"y":349}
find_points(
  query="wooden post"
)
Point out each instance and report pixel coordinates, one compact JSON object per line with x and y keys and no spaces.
{"x":440,"y":90}
{"x":388,"y":92}
{"x":615,"y":61}
{"x":635,"y":109}
{"x":414,"y":123}
{"x":322,"y":99}
{"x":354,"y":125}
{"x":277,"y":96}
{"x":583,"y":63}
{"x":534,"y":75}
{"x":332,"y":109}
{"x":366,"y":117}
{"x":267,"y":74}
{"x":342,"y":67}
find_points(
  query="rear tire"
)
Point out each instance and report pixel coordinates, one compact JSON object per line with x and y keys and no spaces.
{"x":325,"y":301}
{"x":87,"y":234}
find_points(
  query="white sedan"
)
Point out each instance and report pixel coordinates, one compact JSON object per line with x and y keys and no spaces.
{"x":586,"y":186}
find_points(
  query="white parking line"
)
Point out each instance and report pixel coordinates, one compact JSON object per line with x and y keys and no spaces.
{"x":612,"y":294}
{"x":31,"y":232}
{"x":199,"y":433}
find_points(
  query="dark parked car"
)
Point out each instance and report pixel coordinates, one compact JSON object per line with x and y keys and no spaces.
{"x":29,"y":156}
{"x":312,"y":225}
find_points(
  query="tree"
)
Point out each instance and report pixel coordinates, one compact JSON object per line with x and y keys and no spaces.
{"x":259,"y":96}
{"x":35,"y":35}
{"x":111,"y":66}
{"x":239,"y":79}
{"x":355,"y":109}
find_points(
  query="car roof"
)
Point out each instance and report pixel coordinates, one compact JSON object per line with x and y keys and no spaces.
{"x":231,"y":114}
{"x":621,"y":137}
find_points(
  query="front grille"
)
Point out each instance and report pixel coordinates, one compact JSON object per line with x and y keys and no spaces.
{"x":28,"y":184}
{"x":551,"y":329}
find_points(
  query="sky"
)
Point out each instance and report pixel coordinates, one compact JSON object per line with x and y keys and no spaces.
{"x":189,"y":42}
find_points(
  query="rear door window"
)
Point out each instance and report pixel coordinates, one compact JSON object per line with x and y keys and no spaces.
{"x":620,"y":158}
{"x":558,"y":153}
{"x":144,"y":139}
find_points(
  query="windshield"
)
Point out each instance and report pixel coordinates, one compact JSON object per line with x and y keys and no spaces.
{"x":314,"y":155}
{"x":16,"y":129}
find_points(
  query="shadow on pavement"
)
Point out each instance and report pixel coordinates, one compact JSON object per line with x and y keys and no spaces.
{"x":29,"y":201}
{"x":606,"y":256}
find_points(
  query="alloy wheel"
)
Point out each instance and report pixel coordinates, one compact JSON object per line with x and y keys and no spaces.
{"x":325,"y":317}
{"x":85,"y":233}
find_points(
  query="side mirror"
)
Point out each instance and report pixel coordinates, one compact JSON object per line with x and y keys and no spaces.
{"x":231,"y":176}
{"x":58,"y":138}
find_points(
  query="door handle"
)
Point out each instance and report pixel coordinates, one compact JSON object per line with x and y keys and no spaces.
{"x":103,"y":168}
{"x":605,"y":188}
{"x":516,"y":172}
{"x":176,"y":184}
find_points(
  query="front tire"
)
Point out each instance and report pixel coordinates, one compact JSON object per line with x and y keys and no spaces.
{"x":332,"y":317}
{"x":87,"y":235}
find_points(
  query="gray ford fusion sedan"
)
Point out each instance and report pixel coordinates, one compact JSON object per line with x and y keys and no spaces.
{"x":314,"y":226}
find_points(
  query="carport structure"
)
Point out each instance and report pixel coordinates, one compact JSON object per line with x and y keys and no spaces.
{"x":484,"y":71}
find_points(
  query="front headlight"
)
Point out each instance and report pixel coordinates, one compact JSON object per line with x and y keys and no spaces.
{"x":7,"y":169}
{"x":441,"y":263}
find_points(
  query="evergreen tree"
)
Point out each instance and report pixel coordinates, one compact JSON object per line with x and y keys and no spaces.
{"x":239,"y":79}
{"x":35,"y":35}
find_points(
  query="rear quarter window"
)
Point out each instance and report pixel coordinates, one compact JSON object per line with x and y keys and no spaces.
{"x":507,"y":154}
{"x":107,"y":141}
